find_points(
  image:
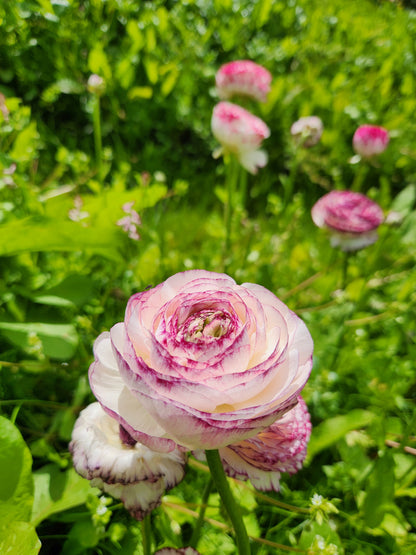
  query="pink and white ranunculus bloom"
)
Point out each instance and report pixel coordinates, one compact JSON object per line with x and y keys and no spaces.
{"x":243,"y":77}
{"x":121,"y":467}
{"x":351,"y":218}
{"x":240,"y":133}
{"x":307,"y":131}
{"x":370,"y":140}
{"x":279,"y":448}
{"x":201,"y":362}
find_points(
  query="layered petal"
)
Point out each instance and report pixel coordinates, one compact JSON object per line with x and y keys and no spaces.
{"x":277,"y":449}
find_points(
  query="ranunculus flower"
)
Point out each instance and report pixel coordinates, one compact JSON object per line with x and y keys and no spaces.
{"x":370,"y":140}
{"x":243,"y":77}
{"x":201,"y":362}
{"x":307,"y":131}
{"x":351,"y":218}
{"x":240,"y":133}
{"x":114,"y":462}
{"x":279,"y":448}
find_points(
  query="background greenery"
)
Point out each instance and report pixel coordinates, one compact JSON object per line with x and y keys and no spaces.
{"x":65,"y":281}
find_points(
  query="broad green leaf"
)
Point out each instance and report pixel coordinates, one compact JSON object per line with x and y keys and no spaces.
{"x":379,"y":490}
{"x":16,"y":483}
{"x":73,"y":290}
{"x":25,"y":144}
{"x":98,"y":63}
{"x":46,"y":234}
{"x":57,"y":491}
{"x":334,"y":429}
{"x":140,"y":92}
{"x":19,"y":538}
{"x":152,"y":69}
{"x":405,"y":200}
{"x":59,"y":341}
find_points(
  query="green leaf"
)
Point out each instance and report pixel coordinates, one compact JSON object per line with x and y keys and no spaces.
{"x":46,"y":234}
{"x":98,"y":63}
{"x":19,"y":537}
{"x":405,"y":200}
{"x":16,"y":483}
{"x":57,"y":491}
{"x":379,"y":490}
{"x":25,"y":144}
{"x":59,"y":341}
{"x":334,"y":429}
{"x":73,"y":290}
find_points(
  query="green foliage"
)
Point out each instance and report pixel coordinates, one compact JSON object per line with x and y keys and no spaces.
{"x":71,"y":159}
{"x":17,"y":534}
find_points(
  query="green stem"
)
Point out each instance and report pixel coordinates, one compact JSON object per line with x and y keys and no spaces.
{"x":290,"y":183}
{"x":146,"y":535}
{"x":344,"y":275}
{"x":97,"y":136}
{"x":360,"y":177}
{"x":232,"y":508}
{"x":231,"y":185}
{"x":197,"y":529}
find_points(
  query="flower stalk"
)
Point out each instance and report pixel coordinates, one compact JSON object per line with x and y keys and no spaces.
{"x":198,"y":526}
{"x":146,"y":535}
{"x":232,"y":175}
{"x":231,"y":506}
{"x":96,"y":120}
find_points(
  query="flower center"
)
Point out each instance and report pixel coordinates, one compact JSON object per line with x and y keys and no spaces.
{"x":206,"y":325}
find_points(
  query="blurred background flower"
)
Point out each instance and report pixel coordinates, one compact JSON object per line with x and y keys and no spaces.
{"x":240,"y":133}
{"x":351,"y":218}
{"x":370,"y":140}
{"x":243,"y":77}
{"x":307,"y":131}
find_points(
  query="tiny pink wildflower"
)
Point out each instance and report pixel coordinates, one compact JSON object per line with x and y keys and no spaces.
{"x":240,"y":133}
{"x":351,"y":218}
{"x":76,"y":214}
{"x":243,"y":77}
{"x":370,"y":140}
{"x":131,"y":221}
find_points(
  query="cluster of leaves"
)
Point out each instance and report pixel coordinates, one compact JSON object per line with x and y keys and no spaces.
{"x":67,"y":268}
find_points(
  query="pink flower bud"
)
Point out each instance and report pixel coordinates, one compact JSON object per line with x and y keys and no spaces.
{"x":370,"y":140}
{"x":243,"y":77}
{"x":351,"y":218}
{"x":240,"y":133}
{"x":307,"y":131}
